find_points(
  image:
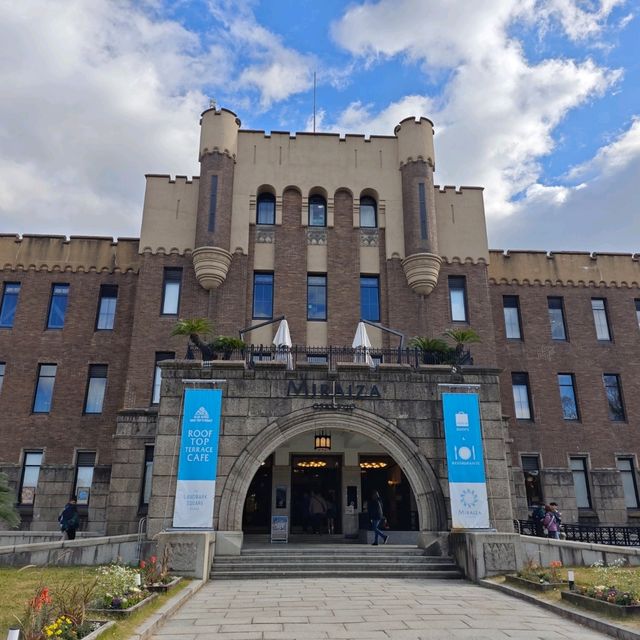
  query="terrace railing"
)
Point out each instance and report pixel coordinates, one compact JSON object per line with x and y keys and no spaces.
{"x":621,"y":536}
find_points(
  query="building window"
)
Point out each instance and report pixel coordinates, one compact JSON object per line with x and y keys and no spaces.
{"x":580,"y":484}
{"x":422,"y":203}
{"x":171,"y":291}
{"x":58,"y":306}
{"x":628,"y":475}
{"x":368,"y":213}
{"x":157,"y":374}
{"x":638,"y":312}
{"x":318,"y":358}
{"x":2,"y":368}
{"x":44,"y":388}
{"x":532,"y":484}
{"x":263,"y":295}
{"x":566,"y":384}
{"x":266,"y":209}
{"x":511,"y":317}
{"x":613,"y":390}
{"x":96,"y":386}
{"x":84,"y":476}
{"x":10,"y":294}
{"x":147,"y":476}
{"x":521,"y":396}
{"x":556,"y":319}
{"x":213,"y":200}
{"x":370,"y":298}
{"x":29,"y":480}
{"x":599,"y":308}
{"x":107,"y":307}
{"x":458,"y":298}
{"x":316,"y":297}
{"x":317,"y":211}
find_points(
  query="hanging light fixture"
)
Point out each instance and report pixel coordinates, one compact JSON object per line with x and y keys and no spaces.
{"x":322,"y":441}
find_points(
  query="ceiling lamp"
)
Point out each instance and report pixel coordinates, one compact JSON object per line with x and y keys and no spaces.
{"x":311,"y":464}
{"x":322,"y":441}
{"x":373,"y":465}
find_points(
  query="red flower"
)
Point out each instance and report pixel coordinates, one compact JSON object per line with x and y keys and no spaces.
{"x":154,"y":559}
{"x":143,"y":564}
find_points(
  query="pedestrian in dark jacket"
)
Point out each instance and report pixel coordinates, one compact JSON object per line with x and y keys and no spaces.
{"x":69,"y":520}
{"x":376,"y":515}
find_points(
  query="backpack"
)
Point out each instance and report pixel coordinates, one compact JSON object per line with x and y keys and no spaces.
{"x":538,"y":514}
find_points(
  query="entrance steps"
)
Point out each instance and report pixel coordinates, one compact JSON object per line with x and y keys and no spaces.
{"x":333,"y":561}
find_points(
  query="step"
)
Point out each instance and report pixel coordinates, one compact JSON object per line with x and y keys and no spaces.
{"x":337,"y":573}
{"x":386,"y":566}
{"x":319,"y":559}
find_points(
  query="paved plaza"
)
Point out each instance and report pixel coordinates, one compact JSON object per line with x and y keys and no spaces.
{"x":397,"y":608}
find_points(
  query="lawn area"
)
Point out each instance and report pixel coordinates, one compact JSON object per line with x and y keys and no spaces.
{"x":18,"y":585}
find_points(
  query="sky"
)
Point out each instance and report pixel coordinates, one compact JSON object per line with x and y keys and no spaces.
{"x":538,"y":101}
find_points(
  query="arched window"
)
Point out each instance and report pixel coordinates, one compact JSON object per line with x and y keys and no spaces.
{"x":266,"y":209}
{"x":317,"y":211}
{"x":368,"y":212}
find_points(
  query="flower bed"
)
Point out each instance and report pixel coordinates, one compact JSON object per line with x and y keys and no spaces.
{"x":162,"y":587}
{"x":539,"y":585}
{"x":602,"y":605}
{"x":118,"y":589}
{"x":125,"y":612}
{"x":537,"y":577}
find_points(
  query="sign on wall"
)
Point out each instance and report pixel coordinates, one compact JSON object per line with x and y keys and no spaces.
{"x":465,"y":461}
{"x":197,"y":465}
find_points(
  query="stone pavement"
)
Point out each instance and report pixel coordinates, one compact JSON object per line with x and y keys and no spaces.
{"x":397,"y":608}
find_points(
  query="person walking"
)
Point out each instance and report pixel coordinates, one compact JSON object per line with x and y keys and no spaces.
{"x":376,"y":515}
{"x":537,"y":515}
{"x":69,"y":520}
{"x":552,"y":521}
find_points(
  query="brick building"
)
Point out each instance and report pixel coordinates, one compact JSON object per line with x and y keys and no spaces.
{"x":325,"y":231}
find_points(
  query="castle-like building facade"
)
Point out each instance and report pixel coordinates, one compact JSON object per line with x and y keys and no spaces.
{"x":325,"y":231}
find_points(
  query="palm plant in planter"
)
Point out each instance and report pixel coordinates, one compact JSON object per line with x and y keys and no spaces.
{"x":462,"y":337}
{"x":195,"y":329}
{"x":226,"y":345}
{"x":434,"y":350}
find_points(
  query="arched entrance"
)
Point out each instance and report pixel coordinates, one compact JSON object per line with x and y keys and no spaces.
{"x":432,"y":515}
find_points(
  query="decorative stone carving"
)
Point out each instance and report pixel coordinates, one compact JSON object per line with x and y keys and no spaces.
{"x":368,"y":237}
{"x":265,"y":235}
{"x":499,"y":556}
{"x":211,"y":265}
{"x":421,"y":271}
{"x":316,"y":235}
{"x":182,"y":555}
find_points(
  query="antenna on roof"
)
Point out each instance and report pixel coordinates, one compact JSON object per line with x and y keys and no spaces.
{"x":314,"y":102}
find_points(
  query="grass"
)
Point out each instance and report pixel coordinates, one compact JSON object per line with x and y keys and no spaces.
{"x":18,"y":585}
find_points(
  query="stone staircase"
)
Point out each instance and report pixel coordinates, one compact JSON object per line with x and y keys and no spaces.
{"x":333,"y":561}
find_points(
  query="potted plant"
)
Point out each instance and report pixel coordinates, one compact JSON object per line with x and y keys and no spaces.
{"x":434,"y":350}
{"x":226,"y":345}
{"x":195,"y":329}
{"x":462,"y":337}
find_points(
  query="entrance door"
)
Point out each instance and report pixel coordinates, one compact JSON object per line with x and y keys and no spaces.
{"x":257,"y":506}
{"x":315,"y":494}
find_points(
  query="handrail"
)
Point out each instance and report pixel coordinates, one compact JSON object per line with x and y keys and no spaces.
{"x":619,"y":535}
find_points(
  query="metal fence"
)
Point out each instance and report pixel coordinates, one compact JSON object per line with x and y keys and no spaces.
{"x":620,"y":536}
{"x":332,"y":355}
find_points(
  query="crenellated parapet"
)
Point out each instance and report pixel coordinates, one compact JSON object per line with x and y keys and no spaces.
{"x":219,"y":133}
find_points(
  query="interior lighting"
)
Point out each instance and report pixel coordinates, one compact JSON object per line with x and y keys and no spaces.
{"x":374,"y":465}
{"x":322,"y":441}
{"x":311,"y":464}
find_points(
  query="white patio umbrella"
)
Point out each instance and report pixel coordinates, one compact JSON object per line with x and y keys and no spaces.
{"x":362,"y":345}
{"x":282,"y":341}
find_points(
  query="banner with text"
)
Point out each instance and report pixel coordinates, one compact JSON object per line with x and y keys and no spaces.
{"x":465,"y":461}
{"x":198,"y":462}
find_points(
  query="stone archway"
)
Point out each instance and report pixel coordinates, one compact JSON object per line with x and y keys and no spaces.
{"x":432,"y":513}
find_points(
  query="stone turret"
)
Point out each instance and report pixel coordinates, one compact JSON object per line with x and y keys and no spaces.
{"x":416,"y":159}
{"x":218,"y":149}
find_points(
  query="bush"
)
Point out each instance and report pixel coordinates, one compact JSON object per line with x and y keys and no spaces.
{"x":117,"y":588}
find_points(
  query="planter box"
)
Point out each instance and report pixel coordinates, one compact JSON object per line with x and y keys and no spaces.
{"x":536,"y":586}
{"x":104,"y":626}
{"x":161,"y":588}
{"x":125,"y":613}
{"x":600,"y":606}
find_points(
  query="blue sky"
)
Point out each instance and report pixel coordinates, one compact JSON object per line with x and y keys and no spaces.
{"x":536,"y":100}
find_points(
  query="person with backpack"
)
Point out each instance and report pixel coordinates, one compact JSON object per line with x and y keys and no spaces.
{"x":537,"y":515}
{"x":69,"y":520}
{"x":552,"y":521}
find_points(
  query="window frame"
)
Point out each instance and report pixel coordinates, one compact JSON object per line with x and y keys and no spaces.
{"x":265,"y":197}
{"x":618,"y":387}
{"x":92,"y":466}
{"x":147,"y":482}
{"x":605,"y":314}
{"x":54,"y":297}
{"x":575,"y":396}
{"x":368,"y":201}
{"x":3,"y":373}
{"x":171,"y":275}
{"x":159,"y":357}
{"x":271,"y":284}
{"x":322,"y":287}
{"x":96,"y":369}
{"x":584,"y":470}
{"x":26,"y":455}
{"x":363,"y":286}
{"x":315,"y":200}
{"x":37,"y":387}
{"x":560,"y":302}
{"x":101,"y":297}
{"x":523,"y":376}
{"x":457,"y":283}
{"x":516,"y":300}
{"x":632,"y":472}
{"x":7,"y":296}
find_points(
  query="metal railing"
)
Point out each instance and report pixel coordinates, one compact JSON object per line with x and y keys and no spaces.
{"x":333,"y":355}
{"x":622,"y":536}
